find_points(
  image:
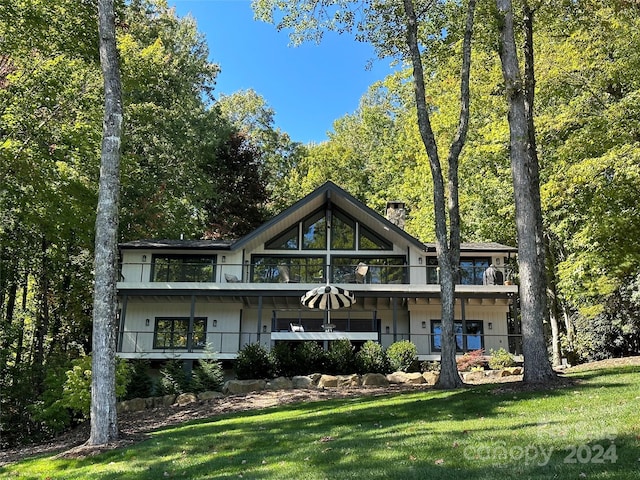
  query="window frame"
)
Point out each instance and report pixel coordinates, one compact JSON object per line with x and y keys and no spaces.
{"x":464,"y":335}
{"x":213,"y":262}
{"x":199,"y":345}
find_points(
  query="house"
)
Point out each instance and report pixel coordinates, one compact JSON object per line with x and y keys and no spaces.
{"x":180,"y":299}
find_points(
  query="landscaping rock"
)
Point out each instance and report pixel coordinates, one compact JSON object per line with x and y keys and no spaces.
{"x":204,"y":396}
{"x":165,"y":401}
{"x":430,"y":378}
{"x":302,"y":381}
{"x":374,"y":380}
{"x":280,"y":383}
{"x":346,"y":381}
{"x":315,"y":378}
{"x":133,"y":405}
{"x":414,"y":378}
{"x":328,"y":381}
{"x":473,"y":376}
{"x":186,"y":398}
{"x":236,"y":387}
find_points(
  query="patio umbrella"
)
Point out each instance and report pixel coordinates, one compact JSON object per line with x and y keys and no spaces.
{"x":328,"y":297}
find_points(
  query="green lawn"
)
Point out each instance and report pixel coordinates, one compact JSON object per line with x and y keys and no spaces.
{"x":590,"y":430}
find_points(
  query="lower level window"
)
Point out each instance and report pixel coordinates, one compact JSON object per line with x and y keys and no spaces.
{"x":174,"y":333}
{"x":469,"y":335}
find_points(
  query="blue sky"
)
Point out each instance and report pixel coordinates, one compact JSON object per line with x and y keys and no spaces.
{"x":308,"y":86}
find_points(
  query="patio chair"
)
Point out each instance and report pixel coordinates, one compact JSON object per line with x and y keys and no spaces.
{"x":296,"y":328}
{"x":285,"y":277}
{"x":231,"y":278}
{"x":361,"y":272}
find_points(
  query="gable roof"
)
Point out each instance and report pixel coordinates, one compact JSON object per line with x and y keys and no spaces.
{"x":331,"y":193}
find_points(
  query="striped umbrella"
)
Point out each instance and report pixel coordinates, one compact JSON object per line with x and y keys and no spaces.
{"x":328,"y":297}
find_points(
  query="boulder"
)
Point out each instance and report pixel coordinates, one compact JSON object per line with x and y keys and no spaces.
{"x":186,"y":398}
{"x":346,"y":381}
{"x":430,"y":378}
{"x":473,"y":376}
{"x":280,"y":383}
{"x":327,"y":381}
{"x":315,"y":378}
{"x":302,"y":381}
{"x":210,"y":395}
{"x":133,"y":405}
{"x":413,"y":378}
{"x":374,"y":380}
{"x":237,"y":387}
{"x":164,"y":401}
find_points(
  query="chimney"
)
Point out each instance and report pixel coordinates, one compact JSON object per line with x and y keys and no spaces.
{"x":396,"y":213}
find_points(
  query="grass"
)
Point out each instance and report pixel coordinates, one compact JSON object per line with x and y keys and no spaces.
{"x":589,"y":430}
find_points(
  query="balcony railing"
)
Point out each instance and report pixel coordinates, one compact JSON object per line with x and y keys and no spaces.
{"x":141,"y":342}
{"x":316,"y":273}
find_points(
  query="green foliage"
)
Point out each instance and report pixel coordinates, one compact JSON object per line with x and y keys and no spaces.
{"x":207,"y":376}
{"x":76,"y":394}
{"x":173,"y":378}
{"x":140,"y":384}
{"x":430,"y":366}
{"x":471,"y":360}
{"x":341,"y":358}
{"x":371,"y":358}
{"x":500,"y":359}
{"x":253,"y":362}
{"x":285,"y":360}
{"x":403,"y":356}
{"x":311,"y":358}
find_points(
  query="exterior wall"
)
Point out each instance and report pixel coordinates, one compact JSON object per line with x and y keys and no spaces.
{"x":490,"y":312}
{"x":222,"y":328}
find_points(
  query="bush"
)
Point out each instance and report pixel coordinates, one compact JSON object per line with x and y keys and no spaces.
{"x":207,"y":376}
{"x":430,"y":366}
{"x":500,"y":359}
{"x":173,"y":378}
{"x":284,"y":360}
{"x":341,"y":358}
{"x":403,"y":356}
{"x":470,"y":360}
{"x":140,"y":384}
{"x":254,"y":362}
{"x":309,"y":358}
{"x":371,"y":358}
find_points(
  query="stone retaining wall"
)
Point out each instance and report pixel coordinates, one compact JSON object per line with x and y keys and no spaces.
{"x":316,"y":380}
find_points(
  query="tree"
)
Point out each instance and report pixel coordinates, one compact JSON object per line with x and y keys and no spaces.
{"x":526,"y":186}
{"x":104,"y":421}
{"x":403,"y":32}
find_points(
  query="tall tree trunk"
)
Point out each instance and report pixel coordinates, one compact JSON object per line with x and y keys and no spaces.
{"x":447,"y":246}
{"x":104,"y":421}
{"x":524,"y":171}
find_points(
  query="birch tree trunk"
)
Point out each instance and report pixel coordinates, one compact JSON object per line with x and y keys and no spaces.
{"x":447,"y":245}
{"x":104,"y":425}
{"x":526,"y":186}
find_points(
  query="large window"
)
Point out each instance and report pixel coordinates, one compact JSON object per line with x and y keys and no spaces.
{"x":368,"y":269}
{"x":183,"y":268}
{"x":472,"y":269}
{"x":469,"y":335}
{"x":285,"y":269}
{"x":174,"y":333}
{"x":334,"y":230}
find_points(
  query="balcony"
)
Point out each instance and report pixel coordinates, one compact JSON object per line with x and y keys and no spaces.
{"x":299,"y":273}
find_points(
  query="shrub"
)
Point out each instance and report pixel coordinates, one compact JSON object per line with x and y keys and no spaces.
{"x":371,"y":358}
{"x":207,"y":376}
{"x":309,"y":358}
{"x":430,"y":366}
{"x":253,"y":362}
{"x":472,"y":359}
{"x":173,"y":378}
{"x":140,"y":384}
{"x":284,"y":360}
{"x":402,"y":355}
{"x":500,"y":359}
{"x":341,"y":358}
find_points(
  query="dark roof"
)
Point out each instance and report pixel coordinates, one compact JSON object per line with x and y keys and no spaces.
{"x":178,"y":244}
{"x":330,"y":191}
